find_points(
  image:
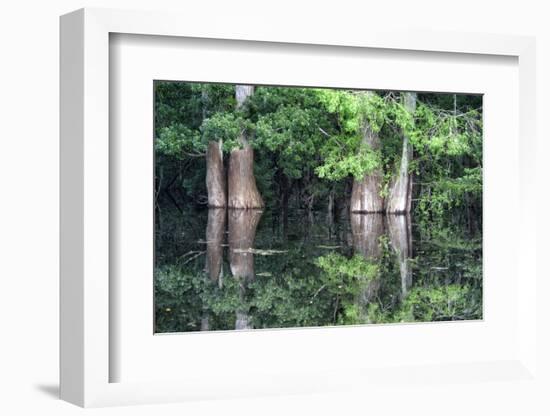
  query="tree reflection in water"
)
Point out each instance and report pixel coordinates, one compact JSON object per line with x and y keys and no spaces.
{"x":367,"y":229}
{"x":304,"y":275}
{"x":242,"y":232}
{"x":215,"y":232}
{"x":399,"y":230}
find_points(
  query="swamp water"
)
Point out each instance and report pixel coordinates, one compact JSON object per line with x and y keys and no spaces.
{"x":221,"y":269}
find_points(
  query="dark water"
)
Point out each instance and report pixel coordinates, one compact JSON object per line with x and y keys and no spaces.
{"x":234,"y":269}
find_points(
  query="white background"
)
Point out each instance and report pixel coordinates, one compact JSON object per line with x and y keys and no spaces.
{"x":29,"y":183}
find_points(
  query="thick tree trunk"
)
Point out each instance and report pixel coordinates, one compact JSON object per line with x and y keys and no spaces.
{"x":400,"y":197}
{"x":242,"y":92}
{"x":215,"y":231}
{"x":367,"y":230}
{"x":242,"y":190}
{"x":243,"y":320}
{"x":365,"y":194}
{"x":215,"y":176}
{"x":242,"y":232}
{"x":399,"y":230}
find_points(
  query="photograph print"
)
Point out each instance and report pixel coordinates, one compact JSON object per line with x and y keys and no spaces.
{"x":293,"y":207}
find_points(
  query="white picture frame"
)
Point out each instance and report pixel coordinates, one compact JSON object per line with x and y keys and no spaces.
{"x":86,"y":356}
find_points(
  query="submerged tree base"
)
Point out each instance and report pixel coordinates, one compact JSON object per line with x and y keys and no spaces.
{"x":215,"y":176}
{"x":365,"y":195}
{"x":242,"y":190}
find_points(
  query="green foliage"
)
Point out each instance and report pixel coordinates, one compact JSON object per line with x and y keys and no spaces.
{"x":354,"y":109}
{"x":429,"y":304}
{"x":176,"y":305}
{"x":345,"y":106}
{"x":316,"y":136}
{"x":444,"y":133}
{"x":290,"y":135}
{"x":227,"y":127}
{"x":447,"y":193}
{"x":339,"y":163}
{"x":448,"y":159}
{"x":345,"y":152}
{"x":309,"y":145}
{"x":342,"y":273}
{"x":178,"y":141}
{"x":308,"y":286}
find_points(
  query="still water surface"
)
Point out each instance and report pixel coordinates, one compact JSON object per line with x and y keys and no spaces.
{"x":222,"y":269}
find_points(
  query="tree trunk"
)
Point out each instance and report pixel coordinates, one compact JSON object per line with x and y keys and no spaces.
{"x":400,"y":197}
{"x":215,"y":176}
{"x":399,"y":230}
{"x":365,"y":193}
{"x":242,"y":190}
{"x":366,"y":231}
{"x":243,"y":321}
{"x":215,"y":231}
{"x":242,"y":232}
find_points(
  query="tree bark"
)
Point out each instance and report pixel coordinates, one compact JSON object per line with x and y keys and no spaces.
{"x":243,"y":321}
{"x":242,"y":190}
{"x":215,"y":231}
{"x":215,"y":176}
{"x":400,"y":197}
{"x":242,"y":232}
{"x":366,"y":232}
{"x":365,"y":193}
{"x":399,"y":230}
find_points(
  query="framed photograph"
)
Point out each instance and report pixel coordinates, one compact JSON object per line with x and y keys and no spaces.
{"x":312,"y":222}
{"x":281,"y":213}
